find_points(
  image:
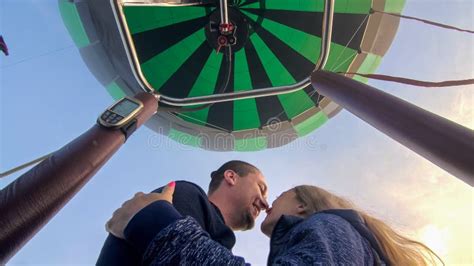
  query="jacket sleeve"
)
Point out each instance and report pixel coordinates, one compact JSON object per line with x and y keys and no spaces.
{"x":173,"y":240}
{"x":143,"y":227}
{"x":117,"y":252}
{"x":188,"y":199}
{"x":185,"y":243}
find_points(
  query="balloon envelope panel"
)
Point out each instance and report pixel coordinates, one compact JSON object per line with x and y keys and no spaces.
{"x":175,"y":53}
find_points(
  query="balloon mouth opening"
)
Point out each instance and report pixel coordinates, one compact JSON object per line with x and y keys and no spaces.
{"x":235,"y":39}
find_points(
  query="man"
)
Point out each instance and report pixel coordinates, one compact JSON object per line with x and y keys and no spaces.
{"x":237,"y":193}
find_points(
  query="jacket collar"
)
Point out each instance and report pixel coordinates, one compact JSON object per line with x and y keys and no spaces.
{"x":278,"y":238}
{"x":287,"y":222}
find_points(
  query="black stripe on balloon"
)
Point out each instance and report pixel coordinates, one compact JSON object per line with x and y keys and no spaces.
{"x":152,"y":42}
{"x":297,"y":65}
{"x":344,"y":24}
{"x":249,"y":2}
{"x":314,"y":95}
{"x":269,"y":108}
{"x":221,"y":115}
{"x":181,"y":82}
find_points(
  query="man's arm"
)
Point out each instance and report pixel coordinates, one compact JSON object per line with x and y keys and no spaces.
{"x":173,"y":239}
{"x":188,"y":200}
{"x":165,"y":240}
{"x":116,"y":251}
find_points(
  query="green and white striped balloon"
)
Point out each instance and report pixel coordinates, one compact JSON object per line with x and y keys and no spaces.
{"x":174,"y":56}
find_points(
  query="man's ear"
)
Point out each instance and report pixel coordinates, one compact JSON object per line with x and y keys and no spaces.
{"x":230,"y":177}
{"x":301,"y":209}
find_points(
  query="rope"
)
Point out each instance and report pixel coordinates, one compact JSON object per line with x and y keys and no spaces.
{"x":18,"y":168}
{"x":445,"y":26}
{"x":347,"y":44}
{"x":37,"y":56}
{"x":414,"y":82}
{"x":221,"y":90}
{"x":343,"y":62}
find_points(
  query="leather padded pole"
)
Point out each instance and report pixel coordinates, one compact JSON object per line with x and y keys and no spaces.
{"x":443,"y":142}
{"x":30,"y":201}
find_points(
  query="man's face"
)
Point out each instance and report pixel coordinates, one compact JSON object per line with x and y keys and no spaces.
{"x":250,"y":198}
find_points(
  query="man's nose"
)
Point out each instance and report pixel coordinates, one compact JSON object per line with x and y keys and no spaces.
{"x":263,"y":204}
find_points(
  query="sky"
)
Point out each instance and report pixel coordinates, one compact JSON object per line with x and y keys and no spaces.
{"x":48,"y":97}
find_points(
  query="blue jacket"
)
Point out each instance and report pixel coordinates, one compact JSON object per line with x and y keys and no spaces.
{"x":326,"y":238}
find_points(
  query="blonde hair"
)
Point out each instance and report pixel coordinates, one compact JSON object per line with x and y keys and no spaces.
{"x":398,"y":249}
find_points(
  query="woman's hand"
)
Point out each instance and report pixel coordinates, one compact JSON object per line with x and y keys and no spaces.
{"x":122,"y":216}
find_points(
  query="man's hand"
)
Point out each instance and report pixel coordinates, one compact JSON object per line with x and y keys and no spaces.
{"x":122,"y":216}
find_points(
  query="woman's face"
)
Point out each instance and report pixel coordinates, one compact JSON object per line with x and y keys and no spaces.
{"x":285,"y":204}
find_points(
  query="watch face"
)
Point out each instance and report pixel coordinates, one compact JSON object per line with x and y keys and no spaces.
{"x":125,"y":107}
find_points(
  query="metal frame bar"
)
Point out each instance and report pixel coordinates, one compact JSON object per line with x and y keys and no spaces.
{"x":271,"y":91}
{"x":222,"y":97}
{"x":224,"y":14}
{"x":175,"y":3}
{"x":231,"y":96}
{"x":128,"y":45}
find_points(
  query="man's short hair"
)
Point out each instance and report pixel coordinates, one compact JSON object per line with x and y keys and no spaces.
{"x":240,"y":167}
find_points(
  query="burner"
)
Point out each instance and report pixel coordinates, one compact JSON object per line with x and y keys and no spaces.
{"x":236,"y":33}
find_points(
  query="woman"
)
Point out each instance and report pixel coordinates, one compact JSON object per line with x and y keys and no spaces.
{"x":307,"y":225}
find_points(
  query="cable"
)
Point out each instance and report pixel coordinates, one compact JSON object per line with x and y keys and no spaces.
{"x":432,"y":23}
{"x":18,"y":168}
{"x":37,"y":56}
{"x":222,"y":89}
{"x":414,"y":82}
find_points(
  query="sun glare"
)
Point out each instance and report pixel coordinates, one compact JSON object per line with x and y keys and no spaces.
{"x":464,"y":109}
{"x":435,"y":238}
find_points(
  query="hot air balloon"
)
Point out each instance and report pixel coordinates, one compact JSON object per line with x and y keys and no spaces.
{"x":229,"y":76}
{"x":173,"y":48}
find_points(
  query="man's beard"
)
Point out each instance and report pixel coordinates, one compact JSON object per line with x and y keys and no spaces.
{"x":247,"y":220}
